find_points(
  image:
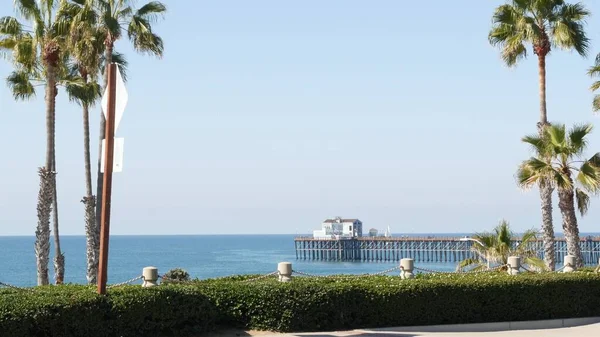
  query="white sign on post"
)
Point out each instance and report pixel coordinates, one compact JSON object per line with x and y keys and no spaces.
{"x":117,"y":155}
{"x":120,"y":100}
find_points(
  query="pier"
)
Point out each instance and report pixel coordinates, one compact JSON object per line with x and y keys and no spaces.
{"x":421,"y":249}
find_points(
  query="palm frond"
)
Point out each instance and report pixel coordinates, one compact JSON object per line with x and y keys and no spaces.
{"x":29,"y":10}
{"x":514,"y":51}
{"x":151,"y":11}
{"x":568,"y":30}
{"x":589,"y":176}
{"x":596,"y":103}
{"x":538,"y":144}
{"x":535,"y":262}
{"x":125,"y":13}
{"x":83,"y":93}
{"x":557,"y":134}
{"x":487,"y":247}
{"x":595,"y":86}
{"x":120,"y":60}
{"x":595,"y":160}
{"x":10,"y":26}
{"x":503,"y":233}
{"x":469,"y":262}
{"x":577,"y":137}
{"x":583,"y":201}
{"x":24,"y":53}
{"x":111,"y":25}
{"x":20,"y":85}
{"x":534,"y":171}
{"x":562,"y":180}
{"x":527,"y":248}
{"x":144,"y":40}
{"x":529,"y":236}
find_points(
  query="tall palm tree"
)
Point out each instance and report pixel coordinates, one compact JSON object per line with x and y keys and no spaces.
{"x":86,"y":45}
{"x":574,"y":176}
{"x":37,"y":56}
{"x":543,"y":24}
{"x":118,"y":16}
{"x":496,"y":247}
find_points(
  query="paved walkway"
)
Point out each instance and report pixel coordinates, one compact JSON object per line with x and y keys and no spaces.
{"x":589,"y":330}
{"x":592,"y":330}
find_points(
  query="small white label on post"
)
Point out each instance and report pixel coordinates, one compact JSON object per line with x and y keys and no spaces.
{"x":117,"y":155}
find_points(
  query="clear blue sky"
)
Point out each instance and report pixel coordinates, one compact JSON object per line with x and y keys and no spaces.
{"x":269,"y":116}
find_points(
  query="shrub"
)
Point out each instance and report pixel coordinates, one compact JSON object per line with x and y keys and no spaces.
{"x":308,"y":304}
{"x":176,"y":275}
{"x":305,"y":304}
{"x":57,"y":311}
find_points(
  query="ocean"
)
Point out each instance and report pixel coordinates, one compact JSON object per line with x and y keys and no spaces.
{"x":203,"y":256}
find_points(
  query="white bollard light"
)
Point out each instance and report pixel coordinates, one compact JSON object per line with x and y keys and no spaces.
{"x":285,"y":271}
{"x":406,"y":268}
{"x":514,"y":265}
{"x":150,"y":275}
{"x":570,"y":265}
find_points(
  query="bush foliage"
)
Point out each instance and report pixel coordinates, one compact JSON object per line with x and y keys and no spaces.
{"x":305,"y":304}
{"x":176,"y":275}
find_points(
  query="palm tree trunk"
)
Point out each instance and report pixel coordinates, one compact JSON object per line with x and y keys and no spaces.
{"x":542,"y":79}
{"x":100,"y":181}
{"x":545,"y":189}
{"x":46,"y":192}
{"x":571,"y":230}
{"x":547,"y":226}
{"x":42,"y":232}
{"x":59,"y":258}
{"x":91,"y":230}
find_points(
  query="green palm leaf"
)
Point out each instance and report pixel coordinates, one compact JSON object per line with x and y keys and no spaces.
{"x":568,"y":31}
{"x":535,"y":262}
{"x":20,"y":85}
{"x":467,"y":263}
{"x":589,"y":176}
{"x":151,"y":11}
{"x":596,"y":103}
{"x":577,"y":137}
{"x":583,"y":201}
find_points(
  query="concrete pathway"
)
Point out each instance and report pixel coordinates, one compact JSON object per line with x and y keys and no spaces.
{"x":586,"y":327}
{"x":592,"y":330}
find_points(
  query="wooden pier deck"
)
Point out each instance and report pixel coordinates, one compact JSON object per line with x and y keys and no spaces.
{"x":424,"y":249}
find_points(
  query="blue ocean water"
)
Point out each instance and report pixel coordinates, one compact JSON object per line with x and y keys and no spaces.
{"x":203,"y":256}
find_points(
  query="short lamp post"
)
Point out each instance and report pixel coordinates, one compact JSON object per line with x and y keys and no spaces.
{"x":481,"y":244}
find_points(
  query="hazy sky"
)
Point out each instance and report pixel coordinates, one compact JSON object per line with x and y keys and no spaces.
{"x":269,"y":116}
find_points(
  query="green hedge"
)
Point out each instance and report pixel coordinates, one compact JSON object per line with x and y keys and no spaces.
{"x":304,"y":304}
{"x":65,"y":311}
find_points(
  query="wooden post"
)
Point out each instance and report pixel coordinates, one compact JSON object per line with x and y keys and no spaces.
{"x":109,"y":147}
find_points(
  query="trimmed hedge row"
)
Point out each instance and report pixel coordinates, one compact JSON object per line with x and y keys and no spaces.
{"x":65,"y":311}
{"x":305,"y":304}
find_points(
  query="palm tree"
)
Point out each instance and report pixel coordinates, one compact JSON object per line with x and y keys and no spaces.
{"x":496,"y":247}
{"x":574,"y":176}
{"x":87,"y":49}
{"x":543,"y":24}
{"x":117,"y":16}
{"x":38,"y":56}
